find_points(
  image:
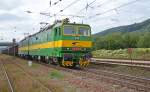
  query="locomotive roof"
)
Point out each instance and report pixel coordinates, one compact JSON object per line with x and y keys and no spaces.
{"x":41,"y":30}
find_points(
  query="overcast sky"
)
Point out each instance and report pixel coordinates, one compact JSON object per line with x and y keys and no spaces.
{"x":15,"y":22}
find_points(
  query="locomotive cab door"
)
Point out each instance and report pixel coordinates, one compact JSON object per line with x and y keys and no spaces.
{"x":56,"y":38}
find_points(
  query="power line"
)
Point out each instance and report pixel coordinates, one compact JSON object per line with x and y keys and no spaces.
{"x":55,"y":3}
{"x":86,"y":6}
{"x":54,"y":15}
{"x":123,"y":5}
{"x":139,"y":18}
{"x":100,"y":5}
{"x":93,"y":7}
{"x":52,"y":4}
{"x":69,"y":5}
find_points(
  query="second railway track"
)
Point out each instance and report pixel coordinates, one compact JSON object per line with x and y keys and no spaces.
{"x":138,"y":84}
{"x":143,"y":64}
{"x":3,"y":69}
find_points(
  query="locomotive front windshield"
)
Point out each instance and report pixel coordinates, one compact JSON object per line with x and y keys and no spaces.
{"x":82,"y":31}
{"x":69,"y":30}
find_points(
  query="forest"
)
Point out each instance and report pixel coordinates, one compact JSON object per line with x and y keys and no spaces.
{"x":136,"y":35}
{"x":120,"y":40}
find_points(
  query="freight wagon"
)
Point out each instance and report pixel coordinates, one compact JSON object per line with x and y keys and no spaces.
{"x":11,"y":50}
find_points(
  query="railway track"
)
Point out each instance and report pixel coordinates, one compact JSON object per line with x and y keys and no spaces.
{"x":144,"y":64}
{"x":3,"y":69}
{"x":136,"y":83}
{"x":10,"y":76}
{"x":45,"y":89}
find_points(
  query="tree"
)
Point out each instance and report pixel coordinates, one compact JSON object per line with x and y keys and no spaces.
{"x":130,"y":40}
{"x":144,"y":41}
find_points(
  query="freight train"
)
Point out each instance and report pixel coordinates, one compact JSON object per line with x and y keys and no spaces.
{"x":64,"y":43}
{"x":12,"y":50}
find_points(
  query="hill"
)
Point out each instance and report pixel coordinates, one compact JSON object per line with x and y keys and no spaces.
{"x":137,"y":27}
{"x":130,"y":36}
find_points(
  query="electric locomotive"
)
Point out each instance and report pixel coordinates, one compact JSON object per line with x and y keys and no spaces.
{"x":64,"y":43}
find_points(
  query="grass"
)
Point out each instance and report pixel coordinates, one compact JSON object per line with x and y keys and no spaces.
{"x":20,"y":80}
{"x":55,"y":74}
{"x":3,"y":81}
{"x":137,"y":54}
{"x":34,"y":65}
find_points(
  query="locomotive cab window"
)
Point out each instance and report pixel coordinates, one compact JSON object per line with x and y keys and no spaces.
{"x":84,"y":31}
{"x":69,"y":30}
{"x":57,"y":31}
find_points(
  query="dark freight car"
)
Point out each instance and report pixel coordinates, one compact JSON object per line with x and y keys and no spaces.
{"x":12,"y":50}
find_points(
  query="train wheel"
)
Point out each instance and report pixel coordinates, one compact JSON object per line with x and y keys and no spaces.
{"x":54,"y":61}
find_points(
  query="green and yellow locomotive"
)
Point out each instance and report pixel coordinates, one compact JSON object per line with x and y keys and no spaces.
{"x":63,"y":43}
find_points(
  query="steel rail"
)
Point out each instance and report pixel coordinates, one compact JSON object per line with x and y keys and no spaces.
{"x":134,"y":64}
{"x":7,"y":76}
{"x":138,"y":86}
{"x":29,"y":75}
{"x":124,"y":80}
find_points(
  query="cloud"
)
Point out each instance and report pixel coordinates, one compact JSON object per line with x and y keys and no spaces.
{"x":12,"y":14}
{"x":7,"y":17}
{"x":9,"y":4}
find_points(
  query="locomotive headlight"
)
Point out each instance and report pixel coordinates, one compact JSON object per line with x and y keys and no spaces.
{"x":83,"y":49}
{"x":66,"y":49}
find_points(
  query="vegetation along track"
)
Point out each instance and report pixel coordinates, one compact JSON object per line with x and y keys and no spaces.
{"x":136,"y":83}
{"x":32,"y":85}
{"x":131,"y":82}
{"x":45,"y":89}
{"x":6,"y":77}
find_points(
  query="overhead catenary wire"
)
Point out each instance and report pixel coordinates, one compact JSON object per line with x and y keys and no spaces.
{"x":52,"y":4}
{"x":86,"y":6}
{"x":98,"y":14}
{"x":100,"y":5}
{"x":116,"y":19}
{"x":74,"y":2}
{"x":55,"y":3}
{"x":123,"y":5}
{"x":109,"y":25}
